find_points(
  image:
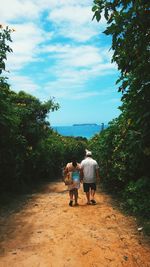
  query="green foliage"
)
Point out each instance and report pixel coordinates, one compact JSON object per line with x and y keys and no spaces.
{"x":5,"y":38}
{"x":136,"y":196}
{"x":124,"y":148}
{"x":23,"y":129}
{"x":73,"y":147}
{"x":29,"y":149}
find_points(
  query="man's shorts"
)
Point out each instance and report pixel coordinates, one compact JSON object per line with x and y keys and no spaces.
{"x":88,"y":186}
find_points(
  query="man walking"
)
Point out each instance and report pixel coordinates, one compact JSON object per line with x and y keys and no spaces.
{"x":89,"y":175}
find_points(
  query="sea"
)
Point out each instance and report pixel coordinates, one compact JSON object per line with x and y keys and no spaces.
{"x":83,"y":130}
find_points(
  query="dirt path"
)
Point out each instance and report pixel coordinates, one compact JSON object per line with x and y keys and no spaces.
{"x":46,"y":232}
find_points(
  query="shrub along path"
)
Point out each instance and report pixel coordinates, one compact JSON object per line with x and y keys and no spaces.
{"x":46,"y":232}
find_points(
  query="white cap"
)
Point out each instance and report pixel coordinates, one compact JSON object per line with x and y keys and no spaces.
{"x":88,"y":153}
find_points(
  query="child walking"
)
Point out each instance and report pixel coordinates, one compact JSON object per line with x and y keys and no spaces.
{"x":74,"y":169}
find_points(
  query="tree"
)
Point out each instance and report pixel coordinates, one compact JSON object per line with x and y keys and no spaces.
{"x":23,"y":126}
{"x":128,"y":22}
{"x":129,"y":25}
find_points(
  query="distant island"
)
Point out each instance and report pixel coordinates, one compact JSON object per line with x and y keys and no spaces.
{"x":85,"y":124}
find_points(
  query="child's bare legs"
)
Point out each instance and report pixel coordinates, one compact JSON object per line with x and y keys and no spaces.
{"x":76,"y":196}
{"x":73,"y":193}
{"x":71,"y":197}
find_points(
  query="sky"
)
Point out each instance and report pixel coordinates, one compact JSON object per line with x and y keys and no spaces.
{"x":60,"y":53}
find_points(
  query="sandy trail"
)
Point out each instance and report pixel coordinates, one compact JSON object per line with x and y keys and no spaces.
{"x":46,"y":232}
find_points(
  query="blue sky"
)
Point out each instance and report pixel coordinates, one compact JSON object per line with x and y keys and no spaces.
{"x":58,"y":51}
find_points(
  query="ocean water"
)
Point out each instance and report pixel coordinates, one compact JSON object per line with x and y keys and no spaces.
{"x":88,"y":130}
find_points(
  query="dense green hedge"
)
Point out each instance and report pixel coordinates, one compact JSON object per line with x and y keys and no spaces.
{"x":30,"y":149}
{"x":123,"y":165}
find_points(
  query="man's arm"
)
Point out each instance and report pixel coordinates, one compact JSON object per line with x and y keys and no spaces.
{"x":81,"y":175}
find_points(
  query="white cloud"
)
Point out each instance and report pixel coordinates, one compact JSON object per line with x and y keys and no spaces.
{"x":75,"y":22}
{"x":72,"y":83}
{"x":26,"y":40}
{"x":23,"y":83}
{"x":16,"y":9}
{"x":83,"y":62}
{"x":31,"y":9}
{"x":61,"y":3}
{"x":74,"y":67}
{"x":102,"y":69}
{"x":84,"y":56}
{"x":77,"y":15}
{"x":68,"y":91}
{"x":73,"y":19}
{"x":79,"y":56}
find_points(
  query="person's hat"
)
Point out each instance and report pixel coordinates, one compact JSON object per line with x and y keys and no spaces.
{"x":88,"y":153}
